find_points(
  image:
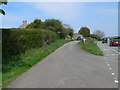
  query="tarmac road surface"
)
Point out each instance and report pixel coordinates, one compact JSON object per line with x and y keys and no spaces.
{"x":70,"y":67}
{"x":111,"y":56}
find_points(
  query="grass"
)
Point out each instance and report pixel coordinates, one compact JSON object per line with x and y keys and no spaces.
{"x":23,"y":62}
{"x":90,"y":47}
{"x":0,"y":80}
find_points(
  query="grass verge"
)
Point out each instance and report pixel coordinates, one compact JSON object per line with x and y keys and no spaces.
{"x":0,"y":80}
{"x":90,"y":47}
{"x":23,"y":62}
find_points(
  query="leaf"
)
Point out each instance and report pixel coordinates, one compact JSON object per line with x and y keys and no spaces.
{"x":3,"y":2}
{"x":2,"y":11}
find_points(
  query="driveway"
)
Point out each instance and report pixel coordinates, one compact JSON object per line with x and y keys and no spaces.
{"x":67,"y":67}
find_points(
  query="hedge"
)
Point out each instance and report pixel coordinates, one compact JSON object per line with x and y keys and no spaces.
{"x":16,"y":41}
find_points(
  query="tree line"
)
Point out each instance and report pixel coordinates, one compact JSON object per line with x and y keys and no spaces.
{"x":54,"y":25}
{"x":85,"y":31}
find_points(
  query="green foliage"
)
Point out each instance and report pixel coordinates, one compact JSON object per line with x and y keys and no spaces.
{"x":116,"y":38}
{"x":2,"y":11}
{"x":1,"y":80}
{"x":37,"y":23}
{"x":24,"y":61}
{"x":15,"y":42}
{"x":53,"y":25}
{"x":95,"y":37}
{"x":71,"y":32}
{"x":90,"y":47}
{"x":64,"y":32}
{"x":67,"y":31}
{"x":84,"y":31}
{"x":3,"y":2}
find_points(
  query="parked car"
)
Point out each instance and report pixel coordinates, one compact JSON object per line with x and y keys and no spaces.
{"x":104,"y":40}
{"x":79,"y":38}
{"x":115,"y":42}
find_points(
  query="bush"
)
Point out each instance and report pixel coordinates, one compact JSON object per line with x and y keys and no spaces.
{"x":17,"y":41}
{"x":95,"y":37}
{"x":85,"y":31}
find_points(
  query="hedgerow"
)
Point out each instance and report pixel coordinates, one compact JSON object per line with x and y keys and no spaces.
{"x":16,"y":41}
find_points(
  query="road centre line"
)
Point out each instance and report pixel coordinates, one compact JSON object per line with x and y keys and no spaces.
{"x":113,"y":73}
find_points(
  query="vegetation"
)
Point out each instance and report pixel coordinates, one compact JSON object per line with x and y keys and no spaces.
{"x":24,"y":61}
{"x":22,"y":48}
{"x":20,"y":40}
{"x":117,"y":37}
{"x":52,"y":25}
{"x":99,"y":33}
{"x":85,"y":31}
{"x":37,"y":23}
{"x":90,"y":47}
{"x":0,"y":80}
{"x":3,"y":2}
{"x":96,"y":37}
{"x":67,"y":32}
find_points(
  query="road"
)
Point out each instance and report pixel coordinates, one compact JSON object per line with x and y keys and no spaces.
{"x":111,"y":54}
{"x":70,"y":67}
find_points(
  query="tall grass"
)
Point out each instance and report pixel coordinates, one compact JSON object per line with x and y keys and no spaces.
{"x":90,"y":47}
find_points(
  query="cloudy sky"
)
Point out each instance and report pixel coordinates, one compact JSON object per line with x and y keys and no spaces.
{"x":95,"y":15}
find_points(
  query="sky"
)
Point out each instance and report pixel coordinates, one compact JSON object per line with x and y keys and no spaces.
{"x":94,"y":15}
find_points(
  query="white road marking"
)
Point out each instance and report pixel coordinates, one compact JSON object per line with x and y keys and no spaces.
{"x":108,"y":64}
{"x":113,"y":73}
{"x":116,"y":81}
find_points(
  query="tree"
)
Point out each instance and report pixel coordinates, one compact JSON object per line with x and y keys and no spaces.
{"x":95,"y":36}
{"x":37,"y":23}
{"x":53,"y":25}
{"x":84,"y":31}
{"x":64,"y":32}
{"x":71,"y":32}
{"x":99,"y":33}
{"x":3,"y":2}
